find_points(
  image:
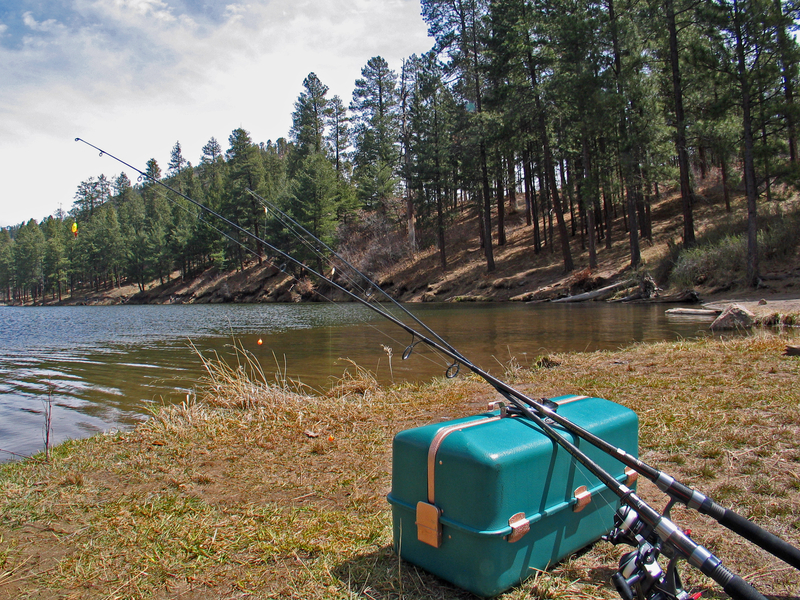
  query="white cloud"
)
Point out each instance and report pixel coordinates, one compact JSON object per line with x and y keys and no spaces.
{"x":134,"y":76}
{"x":45,"y":26}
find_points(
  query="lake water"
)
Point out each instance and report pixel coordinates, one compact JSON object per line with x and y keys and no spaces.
{"x":106,"y":367}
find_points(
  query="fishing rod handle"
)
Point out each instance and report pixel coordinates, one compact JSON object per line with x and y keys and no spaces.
{"x":729,"y":519}
{"x":769,"y":542}
{"x":678,"y":491}
{"x":667,"y":531}
{"x":739,"y":589}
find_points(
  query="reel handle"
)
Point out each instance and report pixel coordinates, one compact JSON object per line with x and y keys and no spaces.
{"x":623,"y":587}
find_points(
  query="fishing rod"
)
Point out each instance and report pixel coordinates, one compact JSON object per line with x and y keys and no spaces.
{"x":677,"y":491}
{"x":641,"y":525}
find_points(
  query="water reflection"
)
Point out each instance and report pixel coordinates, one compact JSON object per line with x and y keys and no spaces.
{"x":104,"y":367}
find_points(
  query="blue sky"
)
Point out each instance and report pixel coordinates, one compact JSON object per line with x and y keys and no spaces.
{"x":135,"y":76}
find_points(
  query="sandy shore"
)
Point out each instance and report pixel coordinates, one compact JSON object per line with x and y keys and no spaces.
{"x":759,"y":305}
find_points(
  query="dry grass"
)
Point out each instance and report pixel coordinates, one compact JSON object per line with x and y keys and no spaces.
{"x":260,"y":491}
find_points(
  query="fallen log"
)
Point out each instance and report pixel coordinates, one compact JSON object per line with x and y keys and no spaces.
{"x":703,"y":312}
{"x":598,"y":294}
{"x":792,"y":351}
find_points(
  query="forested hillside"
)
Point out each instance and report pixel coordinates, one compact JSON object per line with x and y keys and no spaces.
{"x":577,"y":115}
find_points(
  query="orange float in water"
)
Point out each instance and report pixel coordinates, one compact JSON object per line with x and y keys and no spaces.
{"x":259,"y":341}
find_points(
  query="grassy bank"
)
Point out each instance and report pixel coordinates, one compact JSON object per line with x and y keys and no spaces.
{"x":252,"y":491}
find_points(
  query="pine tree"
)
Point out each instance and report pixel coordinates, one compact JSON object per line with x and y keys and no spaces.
{"x":55,"y":263}
{"x":376,"y":126}
{"x":176,"y":161}
{"x":339,"y":136}
{"x":29,"y":248}
{"x":680,"y":126}
{"x":311,"y":113}
{"x":6,"y":264}
{"x":431,"y":114}
{"x":460,"y":30}
{"x":312,"y":201}
{"x":246,"y":171}
{"x":133,"y":222}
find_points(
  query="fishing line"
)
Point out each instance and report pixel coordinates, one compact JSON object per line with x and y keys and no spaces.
{"x":431,"y":343}
{"x":372,"y":285}
{"x":308,"y":244}
{"x":292,"y":226}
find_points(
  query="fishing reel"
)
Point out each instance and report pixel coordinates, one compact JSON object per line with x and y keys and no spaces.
{"x":640,"y":575}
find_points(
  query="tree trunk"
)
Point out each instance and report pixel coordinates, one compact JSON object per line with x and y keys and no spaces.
{"x":440,"y":228}
{"x":589,"y":199}
{"x":633,"y":227}
{"x":501,"y":205}
{"x":543,"y":202}
{"x":749,"y":165}
{"x":526,"y":177}
{"x":487,"y":212}
{"x":481,"y":222}
{"x":764,"y":142}
{"x":512,"y":184}
{"x":725,"y":187}
{"x":549,"y":168}
{"x":787,"y":75}
{"x":680,"y":129}
{"x":567,"y":184}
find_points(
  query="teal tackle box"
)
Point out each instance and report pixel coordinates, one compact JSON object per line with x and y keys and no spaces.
{"x":483,"y":501}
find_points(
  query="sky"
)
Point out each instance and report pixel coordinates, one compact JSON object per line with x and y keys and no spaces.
{"x":135,"y":76}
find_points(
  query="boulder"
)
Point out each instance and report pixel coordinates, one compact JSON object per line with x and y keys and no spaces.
{"x":734,"y":316}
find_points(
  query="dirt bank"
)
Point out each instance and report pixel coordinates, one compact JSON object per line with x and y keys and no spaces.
{"x":522,"y":272}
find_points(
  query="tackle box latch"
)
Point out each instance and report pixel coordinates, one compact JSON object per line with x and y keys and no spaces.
{"x":631,"y":475}
{"x":582,"y":498}
{"x":520,"y":525}
{"x":429,"y":528}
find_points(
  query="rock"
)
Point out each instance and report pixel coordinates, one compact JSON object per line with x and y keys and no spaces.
{"x":734,"y":316}
{"x":762,"y":302}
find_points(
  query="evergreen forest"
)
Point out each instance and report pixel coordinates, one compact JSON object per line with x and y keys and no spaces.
{"x":571,"y":111}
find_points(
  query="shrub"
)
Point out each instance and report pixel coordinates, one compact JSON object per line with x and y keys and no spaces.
{"x":721,"y":256}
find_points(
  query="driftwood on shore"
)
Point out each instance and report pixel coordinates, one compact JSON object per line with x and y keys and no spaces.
{"x":598,"y":294}
{"x":700,"y":312}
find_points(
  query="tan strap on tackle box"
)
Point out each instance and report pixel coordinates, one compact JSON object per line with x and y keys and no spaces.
{"x":429,"y":528}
